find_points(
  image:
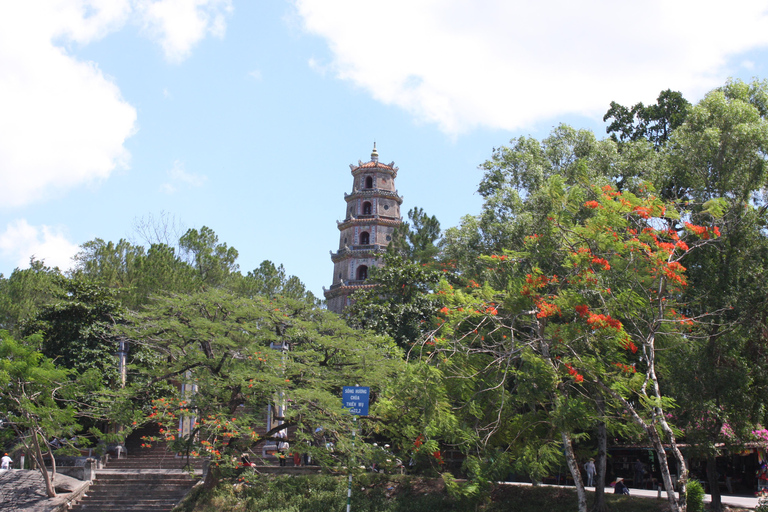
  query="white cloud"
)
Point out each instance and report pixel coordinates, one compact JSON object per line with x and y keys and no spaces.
{"x":20,"y":241}
{"x":180,"y":24}
{"x":178,"y":176}
{"x":508,"y":64}
{"x":63,"y":122}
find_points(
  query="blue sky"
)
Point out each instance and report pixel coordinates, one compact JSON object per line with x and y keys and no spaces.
{"x":245,"y":115}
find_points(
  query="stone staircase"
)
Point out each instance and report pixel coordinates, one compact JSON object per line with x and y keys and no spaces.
{"x":148,"y":479}
{"x":128,"y":490}
{"x":156,"y":457}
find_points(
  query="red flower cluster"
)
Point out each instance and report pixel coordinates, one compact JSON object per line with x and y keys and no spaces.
{"x":603,"y":322}
{"x":704,"y":232}
{"x":601,"y":261}
{"x":575,"y":374}
{"x":546,"y":309}
{"x":672,"y":271}
{"x":536,"y":283}
{"x":592,"y":204}
{"x":628,"y":345}
{"x":582,"y":310}
{"x":625,"y":367}
{"x":642,"y":211}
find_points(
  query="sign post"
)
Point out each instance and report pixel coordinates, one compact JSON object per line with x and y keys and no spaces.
{"x":355,"y":399}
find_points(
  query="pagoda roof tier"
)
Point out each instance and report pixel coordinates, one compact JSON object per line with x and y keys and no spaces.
{"x":346,"y":288}
{"x":358,"y":251}
{"x":373,"y":192}
{"x":374,"y":221}
{"x":373,"y":165}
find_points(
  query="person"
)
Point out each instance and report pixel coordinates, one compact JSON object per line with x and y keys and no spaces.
{"x":729,"y":477}
{"x":639,"y":474}
{"x":246,"y":460}
{"x":5,"y":462}
{"x":762,"y":477}
{"x":621,"y":487}
{"x":589,"y":467}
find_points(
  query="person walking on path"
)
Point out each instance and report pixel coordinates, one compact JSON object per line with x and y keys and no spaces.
{"x":639,"y":474}
{"x":589,"y":467}
{"x":5,"y":462}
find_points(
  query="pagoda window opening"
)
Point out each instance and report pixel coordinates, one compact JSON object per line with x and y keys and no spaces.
{"x":366,"y":208}
{"x":368,"y":182}
{"x":365,"y":238}
{"x":362,"y":273}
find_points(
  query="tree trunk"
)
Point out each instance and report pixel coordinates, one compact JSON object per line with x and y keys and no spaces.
{"x":573,"y":466}
{"x":714,"y":488}
{"x":212,"y":477}
{"x":50,"y":491}
{"x":602,"y":451}
{"x":658,"y":446}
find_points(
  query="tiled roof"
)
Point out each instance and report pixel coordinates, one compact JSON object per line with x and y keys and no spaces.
{"x":373,"y":164}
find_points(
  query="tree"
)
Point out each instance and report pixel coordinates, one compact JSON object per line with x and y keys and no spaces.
{"x":32,"y":393}
{"x":717,"y":163}
{"x":243,"y":354}
{"x":415,"y":240}
{"x":26,"y":291}
{"x":589,"y":294}
{"x":654,"y":123}
{"x":401,"y":305}
{"x":270,"y":281}
{"x":77,"y":329}
{"x":132,"y":272}
{"x":214,"y":262}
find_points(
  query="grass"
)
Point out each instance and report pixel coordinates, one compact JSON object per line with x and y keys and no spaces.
{"x":388,"y":493}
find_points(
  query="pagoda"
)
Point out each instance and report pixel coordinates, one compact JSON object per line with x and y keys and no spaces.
{"x":372,"y":214}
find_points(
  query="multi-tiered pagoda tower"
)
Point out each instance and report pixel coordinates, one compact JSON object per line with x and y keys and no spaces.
{"x":373,"y":213}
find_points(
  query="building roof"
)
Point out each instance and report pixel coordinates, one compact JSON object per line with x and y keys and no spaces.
{"x":374,"y":164}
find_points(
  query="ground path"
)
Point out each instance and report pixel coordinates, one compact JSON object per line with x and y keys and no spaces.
{"x":23,"y":491}
{"x":740,"y":501}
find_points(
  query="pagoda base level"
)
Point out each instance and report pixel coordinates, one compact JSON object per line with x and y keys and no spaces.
{"x":338,"y":298}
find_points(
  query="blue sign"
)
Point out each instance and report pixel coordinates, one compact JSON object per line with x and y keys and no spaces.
{"x":356,"y":399}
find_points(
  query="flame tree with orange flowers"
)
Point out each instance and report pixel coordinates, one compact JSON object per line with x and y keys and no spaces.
{"x":224,"y":346}
{"x":591,"y":298}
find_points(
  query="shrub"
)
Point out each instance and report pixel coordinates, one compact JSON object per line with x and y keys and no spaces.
{"x":695,"y":496}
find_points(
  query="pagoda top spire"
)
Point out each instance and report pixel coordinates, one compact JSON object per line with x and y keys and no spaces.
{"x":374,"y":153}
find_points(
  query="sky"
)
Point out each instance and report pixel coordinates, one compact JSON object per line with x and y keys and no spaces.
{"x":244,"y":115}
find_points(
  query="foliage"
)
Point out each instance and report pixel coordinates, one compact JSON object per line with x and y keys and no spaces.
{"x":653,"y":122}
{"x":401,"y":305}
{"x":415,"y":240}
{"x":384,"y":493}
{"x":695,"y":497}
{"x":270,"y":281}
{"x":762,"y":504}
{"x":244,"y":354}
{"x":25,"y":292}
{"x":77,"y":329}
{"x":133,"y":272}
{"x":33,"y":393}
{"x":214,"y":262}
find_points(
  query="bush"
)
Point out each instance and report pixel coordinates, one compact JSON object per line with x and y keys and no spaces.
{"x":695,"y":496}
{"x":762,"y":504}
